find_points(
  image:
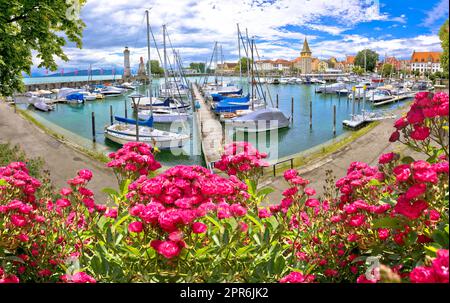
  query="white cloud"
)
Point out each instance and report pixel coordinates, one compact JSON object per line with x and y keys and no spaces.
{"x":439,"y":11}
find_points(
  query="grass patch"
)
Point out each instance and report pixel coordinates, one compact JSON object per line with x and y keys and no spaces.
{"x":9,"y":153}
{"x":90,"y":153}
{"x":302,"y":160}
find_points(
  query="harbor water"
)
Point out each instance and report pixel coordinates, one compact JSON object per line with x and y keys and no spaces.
{"x":74,"y":121}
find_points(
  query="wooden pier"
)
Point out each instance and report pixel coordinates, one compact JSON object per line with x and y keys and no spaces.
{"x":211,"y":133}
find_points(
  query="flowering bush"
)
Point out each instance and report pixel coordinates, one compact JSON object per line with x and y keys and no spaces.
{"x":190,"y":225}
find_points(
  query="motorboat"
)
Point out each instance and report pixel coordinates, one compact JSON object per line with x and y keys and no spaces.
{"x":75,"y":98}
{"x":88,"y":96}
{"x":42,"y":105}
{"x":379,"y":95}
{"x":167,"y":103}
{"x":260,"y":120}
{"x":125,"y":131}
{"x":161,"y":115}
{"x":331,"y":88}
{"x":127,"y":86}
{"x":111,"y":91}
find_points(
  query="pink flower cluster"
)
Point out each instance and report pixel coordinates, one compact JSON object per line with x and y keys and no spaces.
{"x":135,"y":158}
{"x":17,"y":177}
{"x":297,"y":277}
{"x":175,"y":199}
{"x":436,"y":273}
{"x":425,"y":106}
{"x":240,"y":158}
{"x":415,"y":179}
{"x":358,"y":175}
{"x":79,"y":277}
{"x":7,"y":278}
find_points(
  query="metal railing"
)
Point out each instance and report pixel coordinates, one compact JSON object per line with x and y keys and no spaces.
{"x":274,"y":166}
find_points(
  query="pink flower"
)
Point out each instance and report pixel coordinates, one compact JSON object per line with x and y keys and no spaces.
{"x":111,"y":213}
{"x":386,"y":158}
{"x":402,"y":172}
{"x":297,"y":277}
{"x":264,"y":213}
{"x":238,"y":210}
{"x":65,"y":191}
{"x":310,"y":191}
{"x":394,"y":136}
{"x":24,"y":238}
{"x":363,"y":279}
{"x":411,"y":210}
{"x":63,"y":203}
{"x":352,"y":238}
{"x":440,"y":266}
{"x":383,"y":233}
{"x":79,"y":277}
{"x":168,"y":249}
{"x":400,"y":123}
{"x":243,"y":227}
{"x":415,"y":191}
{"x":422,"y":274}
{"x":357,"y":220}
{"x":420,"y":133}
{"x":18,"y":220}
{"x":199,"y":228}
{"x":290,"y":174}
{"x":312,"y":203}
{"x":135,"y":227}
{"x":85,"y":174}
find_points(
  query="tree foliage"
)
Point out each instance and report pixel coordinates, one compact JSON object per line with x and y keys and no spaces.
{"x":443,"y":35}
{"x":244,"y":62}
{"x":371,"y":59}
{"x":198,"y":66}
{"x":42,"y":27}
{"x":156,"y":69}
{"x":387,"y":70}
{"x":358,"y":70}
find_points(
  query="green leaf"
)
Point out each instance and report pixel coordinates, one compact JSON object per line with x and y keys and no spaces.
{"x":407,"y":160}
{"x":258,"y":241}
{"x":124,"y":186}
{"x":124,"y":217}
{"x":387,"y":222}
{"x":441,"y":238}
{"x":374,"y":182}
{"x":110,"y":191}
{"x":256,"y":221}
{"x":216,"y":240}
{"x":243,"y":250}
{"x":3,"y":182}
{"x":265,"y":191}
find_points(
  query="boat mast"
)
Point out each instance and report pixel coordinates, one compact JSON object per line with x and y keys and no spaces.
{"x":253,"y":77}
{"x":221,"y":60}
{"x":239,"y":49}
{"x":149,"y":64}
{"x":165,"y":59}
{"x":216,"y":63}
{"x":248,"y":55}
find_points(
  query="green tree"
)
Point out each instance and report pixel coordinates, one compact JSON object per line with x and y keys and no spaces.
{"x":367,"y":58}
{"x":387,"y":70}
{"x":443,"y":35}
{"x":243,"y":63}
{"x":358,"y":70}
{"x":199,"y":67}
{"x":40,"y":26}
{"x":156,"y":69}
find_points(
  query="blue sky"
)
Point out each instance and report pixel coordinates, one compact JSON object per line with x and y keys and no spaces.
{"x":334,"y":28}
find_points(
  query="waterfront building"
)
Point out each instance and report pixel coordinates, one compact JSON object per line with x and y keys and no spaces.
{"x":349,"y":63}
{"x":282,"y":65}
{"x":126,"y":64}
{"x":141,"y":71}
{"x":315,"y":65}
{"x":322,"y":66}
{"x":304,"y":62}
{"x":265,"y":65}
{"x":405,"y":65}
{"x":227,"y":67}
{"x":426,"y":62}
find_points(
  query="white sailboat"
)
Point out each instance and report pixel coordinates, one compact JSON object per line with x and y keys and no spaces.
{"x":134,"y":130}
{"x":162,"y":115}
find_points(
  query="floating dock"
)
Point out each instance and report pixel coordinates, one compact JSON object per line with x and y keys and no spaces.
{"x":211,"y":132}
{"x":360,"y":120}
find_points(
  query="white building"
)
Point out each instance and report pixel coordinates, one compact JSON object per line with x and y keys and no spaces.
{"x":426,"y":62}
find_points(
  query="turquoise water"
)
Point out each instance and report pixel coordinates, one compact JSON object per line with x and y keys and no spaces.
{"x":75,"y":122}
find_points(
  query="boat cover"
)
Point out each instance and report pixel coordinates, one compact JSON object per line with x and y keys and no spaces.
{"x":148,"y":122}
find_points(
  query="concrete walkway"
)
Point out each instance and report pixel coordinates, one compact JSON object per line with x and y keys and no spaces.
{"x":366,"y":148}
{"x":62,"y":161}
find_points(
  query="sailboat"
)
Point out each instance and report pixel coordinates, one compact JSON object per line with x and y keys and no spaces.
{"x":129,"y":130}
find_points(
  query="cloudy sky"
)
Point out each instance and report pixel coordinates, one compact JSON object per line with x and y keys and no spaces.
{"x":333,"y":28}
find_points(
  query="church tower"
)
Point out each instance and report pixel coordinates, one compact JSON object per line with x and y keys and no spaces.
{"x":305,"y":58}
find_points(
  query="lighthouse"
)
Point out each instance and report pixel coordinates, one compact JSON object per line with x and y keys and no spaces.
{"x":126,"y":64}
